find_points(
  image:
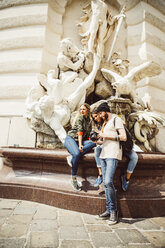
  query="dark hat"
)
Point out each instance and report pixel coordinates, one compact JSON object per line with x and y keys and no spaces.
{"x":103,"y":107}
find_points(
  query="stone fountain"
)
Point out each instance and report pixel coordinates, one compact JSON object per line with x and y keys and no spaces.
{"x":87,"y":74}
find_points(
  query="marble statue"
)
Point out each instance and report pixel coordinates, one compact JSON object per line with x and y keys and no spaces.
{"x":35,"y":93}
{"x":146,"y":126}
{"x":56,"y":113}
{"x":120,"y":19}
{"x":53,"y":115}
{"x":126,"y":85}
{"x":96,"y":26}
{"x":53,"y":86}
{"x":53,"y":100}
{"x":70,"y":62}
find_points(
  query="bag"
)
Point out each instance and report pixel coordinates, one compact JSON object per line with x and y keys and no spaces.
{"x":128,"y":144}
{"x":93,"y":135}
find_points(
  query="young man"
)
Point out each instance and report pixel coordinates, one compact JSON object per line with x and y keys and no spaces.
{"x":110,"y":155}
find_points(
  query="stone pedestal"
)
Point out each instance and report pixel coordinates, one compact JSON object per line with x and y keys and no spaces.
{"x":44,"y":176}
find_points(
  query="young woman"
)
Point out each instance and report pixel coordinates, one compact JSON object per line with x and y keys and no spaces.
{"x":77,"y":141}
{"x":97,"y":125}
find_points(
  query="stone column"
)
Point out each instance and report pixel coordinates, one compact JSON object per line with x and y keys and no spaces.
{"x":146,"y":41}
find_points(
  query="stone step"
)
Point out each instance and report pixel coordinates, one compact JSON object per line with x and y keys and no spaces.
{"x":44,"y":176}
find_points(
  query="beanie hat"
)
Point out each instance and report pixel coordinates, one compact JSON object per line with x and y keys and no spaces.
{"x":103,"y":107}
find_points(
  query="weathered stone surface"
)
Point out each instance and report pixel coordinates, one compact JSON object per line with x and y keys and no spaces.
{"x":105,"y":239}
{"x":90,"y":219}
{"x":15,"y":234}
{"x":131,"y":236}
{"x":8,"y":204}
{"x":140,"y":246}
{"x":75,"y":244}
{"x":146,"y":224}
{"x":159,"y":221}
{"x":24,"y":210}
{"x":2,"y":220}
{"x":43,"y":225}
{"x":73,"y":233}
{"x":19,"y":219}
{"x":70,"y":221}
{"x":156,"y":238}
{"x":98,"y":228}
{"x":43,"y":239}
{"x":5,"y":212}
{"x":42,"y":213}
{"x":12,"y":243}
{"x":13,"y":230}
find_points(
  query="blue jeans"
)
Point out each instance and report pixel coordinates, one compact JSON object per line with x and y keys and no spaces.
{"x":97,"y":152}
{"x":109,"y":166}
{"x":132,"y":162}
{"x":72,"y":147}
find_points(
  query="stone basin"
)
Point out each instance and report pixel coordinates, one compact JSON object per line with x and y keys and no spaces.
{"x":43,"y":175}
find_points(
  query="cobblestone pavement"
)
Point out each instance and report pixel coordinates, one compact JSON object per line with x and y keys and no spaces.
{"x":25,"y":224}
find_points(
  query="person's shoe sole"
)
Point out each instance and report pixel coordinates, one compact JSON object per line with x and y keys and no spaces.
{"x":102,"y":218}
{"x":112,"y":222}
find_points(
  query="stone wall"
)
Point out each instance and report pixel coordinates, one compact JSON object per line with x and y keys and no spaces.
{"x":30,"y":32}
{"x":22,"y":35}
{"x":146,"y":41}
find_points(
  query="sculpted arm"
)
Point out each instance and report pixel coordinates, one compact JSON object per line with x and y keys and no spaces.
{"x":58,"y":128}
{"x":65,"y":61}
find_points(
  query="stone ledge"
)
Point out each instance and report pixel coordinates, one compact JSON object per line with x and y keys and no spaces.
{"x":44,"y":176}
{"x":60,"y":154}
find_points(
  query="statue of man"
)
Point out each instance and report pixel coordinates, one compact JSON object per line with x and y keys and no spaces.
{"x":96,"y":26}
{"x":58,"y":115}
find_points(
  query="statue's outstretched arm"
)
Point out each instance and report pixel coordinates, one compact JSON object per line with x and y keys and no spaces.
{"x":66,"y":61}
{"x":58,"y":128}
{"x":76,"y":96}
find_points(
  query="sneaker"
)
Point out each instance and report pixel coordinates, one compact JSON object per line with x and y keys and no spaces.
{"x":125,"y":183}
{"x":98,"y":181}
{"x":75,"y":185}
{"x":113,"y":218}
{"x":103,"y":216}
{"x":69,"y":160}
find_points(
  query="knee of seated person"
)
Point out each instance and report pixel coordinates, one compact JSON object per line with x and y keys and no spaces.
{"x":76,"y":154}
{"x":108,"y":183}
{"x":135,"y":157}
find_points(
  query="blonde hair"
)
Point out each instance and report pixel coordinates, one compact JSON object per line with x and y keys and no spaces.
{"x":78,"y":114}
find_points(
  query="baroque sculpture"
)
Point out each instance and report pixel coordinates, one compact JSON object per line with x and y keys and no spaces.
{"x":53,"y":100}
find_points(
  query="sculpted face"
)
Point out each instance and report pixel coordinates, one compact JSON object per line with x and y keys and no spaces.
{"x":46,"y":103}
{"x":68,"y":48}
